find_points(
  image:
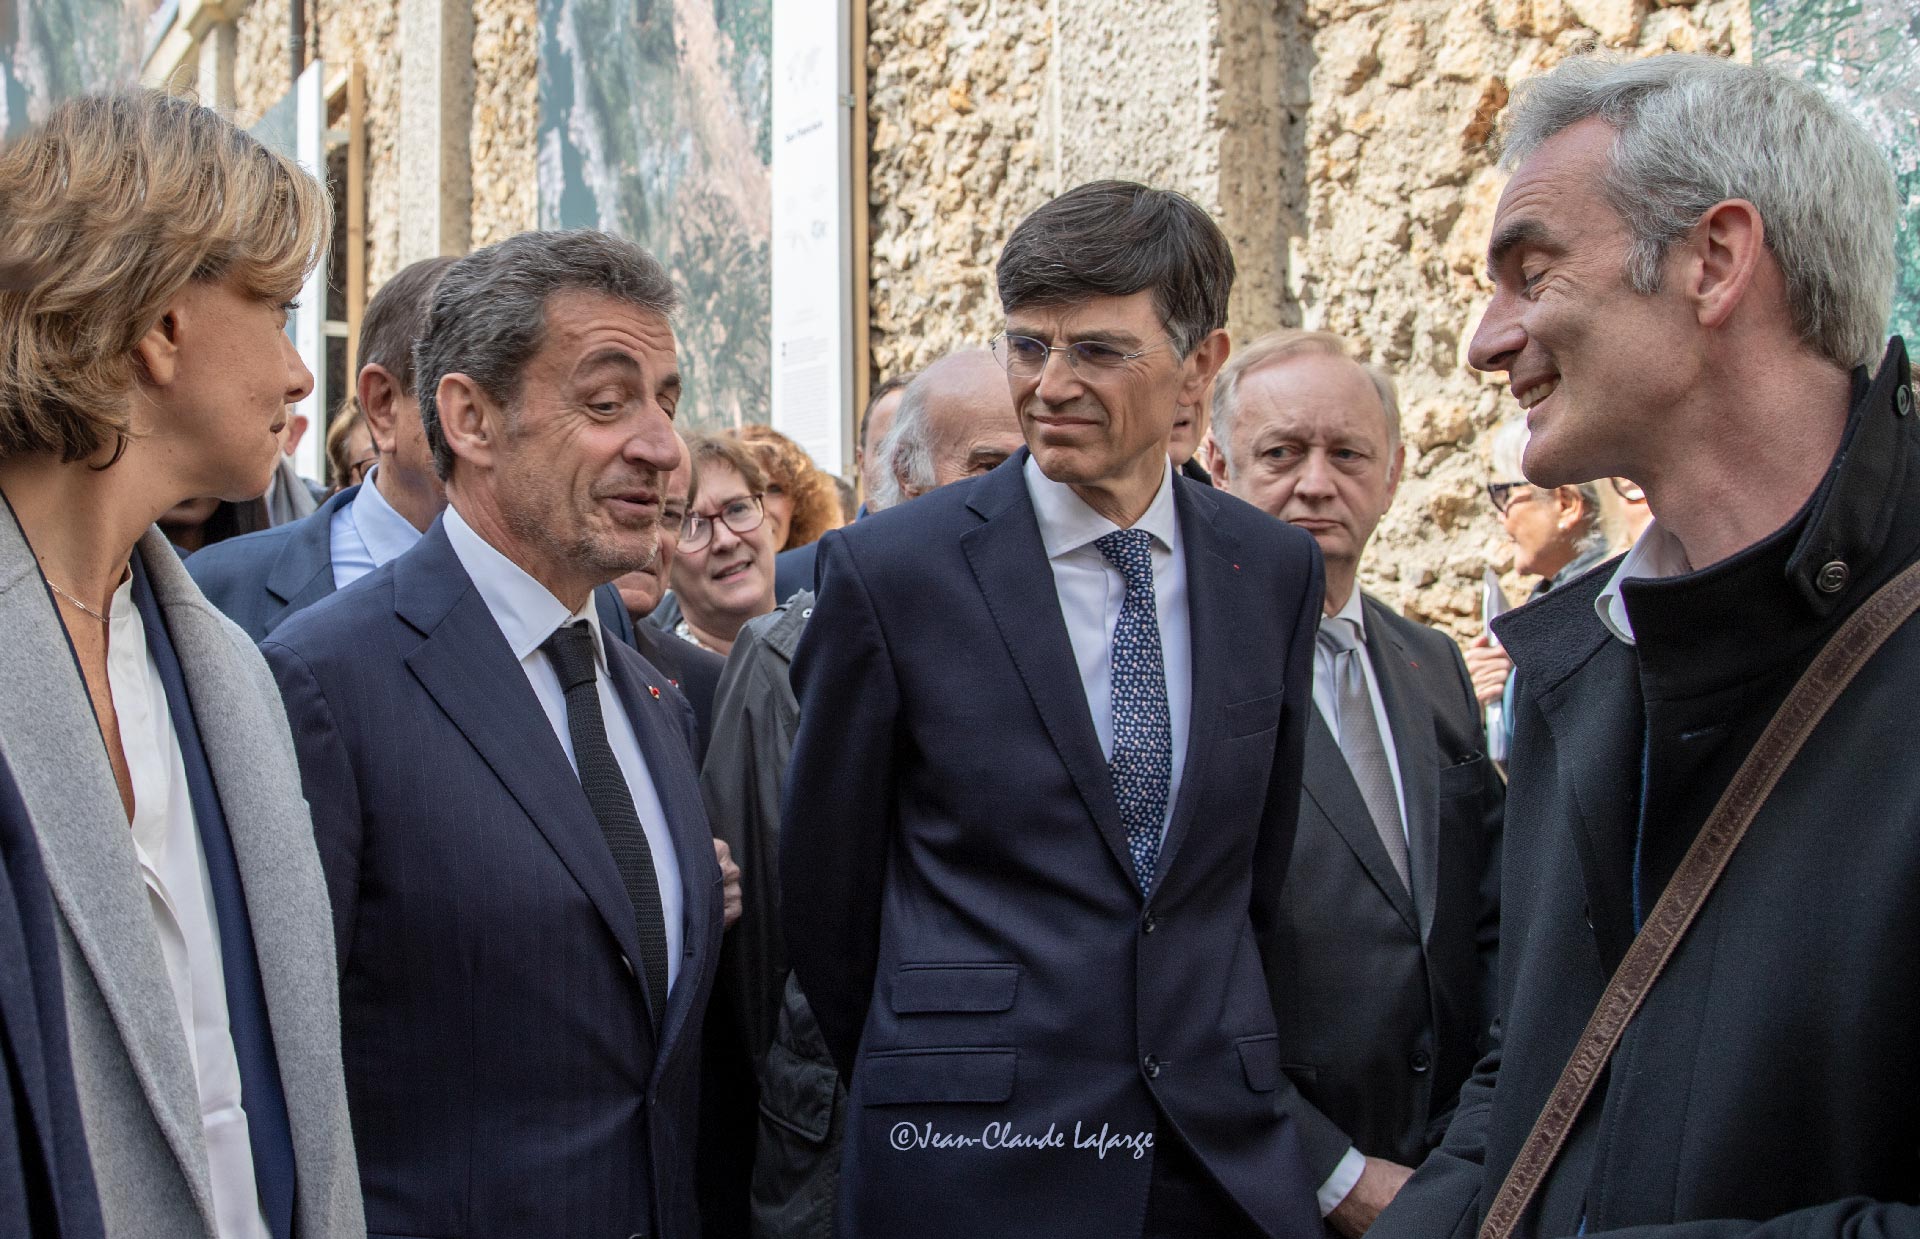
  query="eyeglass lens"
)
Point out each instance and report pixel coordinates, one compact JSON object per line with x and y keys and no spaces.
{"x":1026,"y":356}
{"x":741,"y":516}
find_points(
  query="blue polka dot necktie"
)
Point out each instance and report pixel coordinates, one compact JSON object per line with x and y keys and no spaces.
{"x":1142,"y":762}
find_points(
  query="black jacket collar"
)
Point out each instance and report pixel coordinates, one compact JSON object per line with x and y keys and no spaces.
{"x":1774,"y":600}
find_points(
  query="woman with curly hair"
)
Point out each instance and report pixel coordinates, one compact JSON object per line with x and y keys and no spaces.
{"x":802,"y":502}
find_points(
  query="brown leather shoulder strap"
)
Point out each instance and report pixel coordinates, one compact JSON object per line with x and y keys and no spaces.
{"x":1864,"y":632}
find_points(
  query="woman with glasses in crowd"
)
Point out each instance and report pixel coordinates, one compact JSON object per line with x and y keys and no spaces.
{"x":723,"y":570}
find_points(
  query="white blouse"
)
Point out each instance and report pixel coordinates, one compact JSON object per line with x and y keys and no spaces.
{"x":166,"y":839}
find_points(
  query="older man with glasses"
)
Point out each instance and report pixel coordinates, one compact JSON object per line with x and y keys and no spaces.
{"x":1557,"y":536}
{"x":1036,"y":824}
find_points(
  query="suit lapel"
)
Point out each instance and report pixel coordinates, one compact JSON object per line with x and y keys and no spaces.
{"x":1597,"y":738}
{"x":1328,"y":783}
{"x":1211,"y":597}
{"x":1009,"y":562}
{"x":1595,"y":747}
{"x":1417,"y":752}
{"x":60,"y":763}
{"x":468,"y":669}
{"x":302,"y":573}
{"x":664,"y":748}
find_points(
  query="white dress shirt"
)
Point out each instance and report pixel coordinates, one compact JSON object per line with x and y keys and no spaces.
{"x":1326,"y":695}
{"x":1326,"y":698}
{"x":1091,"y":590}
{"x":166,"y":841}
{"x":527,"y":615}
{"x":1656,"y":554}
{"x":366,"y":532}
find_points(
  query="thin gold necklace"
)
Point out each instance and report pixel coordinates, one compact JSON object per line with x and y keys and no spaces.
{"x":105,"y":619}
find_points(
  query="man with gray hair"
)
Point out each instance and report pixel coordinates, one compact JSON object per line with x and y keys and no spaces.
{"x":954,"y":422}
{"x":526,"y":902}
{"x":1692,"y":268}
{"x":1388,"y":932}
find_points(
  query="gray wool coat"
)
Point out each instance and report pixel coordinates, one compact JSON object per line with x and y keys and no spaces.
{"x":131,"y":1062}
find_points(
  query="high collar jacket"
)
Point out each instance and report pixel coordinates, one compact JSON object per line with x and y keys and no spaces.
{"x":1771,"y":1073}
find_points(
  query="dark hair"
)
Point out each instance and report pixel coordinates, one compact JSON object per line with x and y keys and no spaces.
{"x":1114,"y":238}
{"x":397,"y":316}
{"x":489,"y":311}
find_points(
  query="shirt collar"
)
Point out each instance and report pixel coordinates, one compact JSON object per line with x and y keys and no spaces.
{"x":525,"y":610}
{"x":386,"y":533}
{"x":1067,"y":523}
{"x":1656,"y":554}
{"x":1352,"y":610}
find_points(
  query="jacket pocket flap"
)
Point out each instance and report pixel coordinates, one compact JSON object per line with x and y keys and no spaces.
{"x":1250,"y":718}
{"x":798,"y":1094}
{"x":899,"y":1077}
{"x":1260,"y":1059}
{"x":927,"y":988}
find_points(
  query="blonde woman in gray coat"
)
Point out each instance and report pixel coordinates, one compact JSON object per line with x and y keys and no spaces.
{"x":144,"y":361}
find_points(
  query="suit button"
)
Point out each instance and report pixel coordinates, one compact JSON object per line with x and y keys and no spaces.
{"x":1420,"y":1062}
{"x":1832,"y":578}
{"x":1150,"y":924}
{"x":1151,"y":1065}
{"x":628,"y":964}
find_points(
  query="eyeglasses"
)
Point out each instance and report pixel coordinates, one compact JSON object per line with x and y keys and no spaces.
{"x":742,"y":516}
{"x":357,"y":471}
{"x":1024,"y":357}
{"x":1504,"y":493}
{"x":1628,"y":490}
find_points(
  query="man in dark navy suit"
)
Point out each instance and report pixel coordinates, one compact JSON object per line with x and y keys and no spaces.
{"x":525,"y":892}
{"x":1039,"y":812}
{"x":260,"y":579}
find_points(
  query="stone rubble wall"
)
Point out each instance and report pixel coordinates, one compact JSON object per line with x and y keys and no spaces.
{"x":1403,"y":191}
{"x":1341,"y":143}
{"x":1342,"y":146}
{"x":506,"y":116}
{"x":349,"y":30}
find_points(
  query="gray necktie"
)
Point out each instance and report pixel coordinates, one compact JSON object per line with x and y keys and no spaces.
{"x":1360,"y":740}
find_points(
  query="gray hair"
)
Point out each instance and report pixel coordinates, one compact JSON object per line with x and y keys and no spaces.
{"x":1692,"y":131}
{"x":1278,"y":346}
{"x":1509,"y":448}
{"x":906,"y":449}
{"x":489,"y":311}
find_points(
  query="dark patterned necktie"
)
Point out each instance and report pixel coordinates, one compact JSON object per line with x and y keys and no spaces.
{"x":570,"y":649}
{"x":1142,"y":762}
{"x":1360,"y":739}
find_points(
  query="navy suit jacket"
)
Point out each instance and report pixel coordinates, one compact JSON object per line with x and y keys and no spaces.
{"x":259,"y":579}
{"x":46,"y":1182}
{"x":695,"y":671}
{"x":501,"y":1064}
{"x":793,"y":570}
{"x":960,"y":904}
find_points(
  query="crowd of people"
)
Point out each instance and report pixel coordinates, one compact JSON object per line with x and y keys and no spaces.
{"x":570,"y":825}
